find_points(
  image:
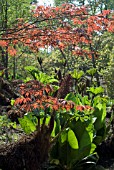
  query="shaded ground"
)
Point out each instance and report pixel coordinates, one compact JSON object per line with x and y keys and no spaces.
{"x":106,"y":154}
{"x":29,"y":152}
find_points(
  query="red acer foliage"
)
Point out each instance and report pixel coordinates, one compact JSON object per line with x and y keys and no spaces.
{"x":36,"y":95}
{"x":12,"y":51}
{"x":59,"y":27}
{"x":82,"y":108}
{"x":3,"y":43}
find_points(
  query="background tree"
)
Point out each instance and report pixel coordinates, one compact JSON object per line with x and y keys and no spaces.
{"x":10,"y":11}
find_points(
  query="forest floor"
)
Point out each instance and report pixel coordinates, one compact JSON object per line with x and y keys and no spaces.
{"x":9,"y":134}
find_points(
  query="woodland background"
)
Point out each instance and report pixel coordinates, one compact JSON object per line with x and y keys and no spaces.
{"x":56,"y":85}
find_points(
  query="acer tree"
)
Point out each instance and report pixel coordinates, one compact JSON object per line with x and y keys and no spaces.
{"x":75,"y":31}
{"x":64,"y":27}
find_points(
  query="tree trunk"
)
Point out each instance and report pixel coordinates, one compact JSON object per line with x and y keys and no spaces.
{"x":7,"y":92}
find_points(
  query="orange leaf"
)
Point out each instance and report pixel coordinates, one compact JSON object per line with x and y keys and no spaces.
{"x":106,"y":12}
{"x":27,"y":94}
{"x":3,"y":43}
{"x":12,"y":51}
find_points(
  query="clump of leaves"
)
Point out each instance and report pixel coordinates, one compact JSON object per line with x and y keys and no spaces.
{"x":35,"y":95}
{"x":36,"y":98}
{"x":40,"y":76}
{"x":8,"y":130}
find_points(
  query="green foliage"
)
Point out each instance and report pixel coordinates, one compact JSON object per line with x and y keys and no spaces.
{"x":91,"y":72}
{"x":12,"y":102}
{"x":74,"y":143}
{"x":72,"y":140}
{"x":59,"y":2}
{"x":109,"y":78}
{"x":4,"y":121}
{"x":6,"y":127}
{"x":95,"y":6}
{"x":96,"y":91}
{"x":77,"y":74}
{"x":28,"y":123}
{"x":85,"y":130}
{"x":40,"y":76}
{"x":14,"y":10}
